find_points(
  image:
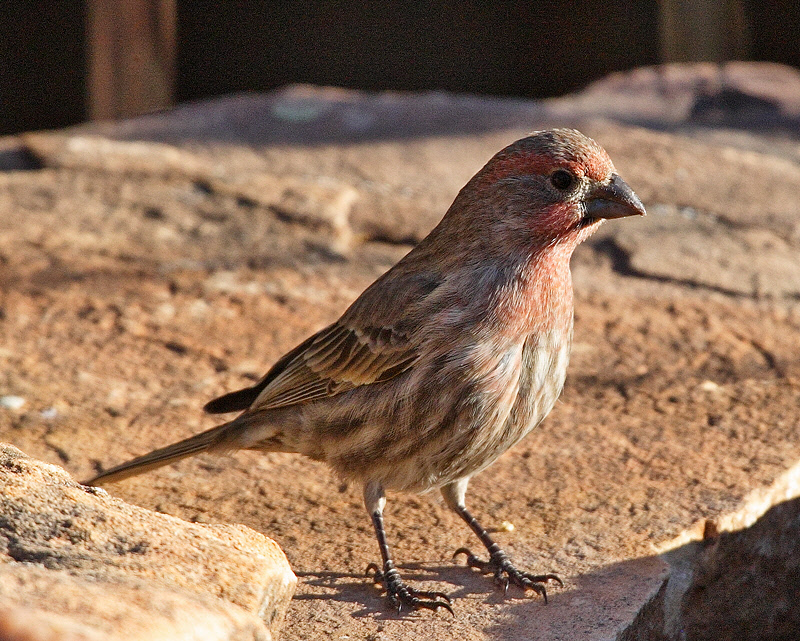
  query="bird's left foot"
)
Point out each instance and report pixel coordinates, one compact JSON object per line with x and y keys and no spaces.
{"x":505,"y":573}
{"x":400,"y":594}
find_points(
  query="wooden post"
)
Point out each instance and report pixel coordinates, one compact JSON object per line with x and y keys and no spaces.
{"x":703,"y":30}
{"x":131,"y":56}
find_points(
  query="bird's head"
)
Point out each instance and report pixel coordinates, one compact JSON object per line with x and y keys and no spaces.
{"x":551,"y":187}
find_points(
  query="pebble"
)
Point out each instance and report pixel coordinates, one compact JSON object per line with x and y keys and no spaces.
{"x":710,"y":386}
{"x":506,"y":526}
{"x":12,"y":402}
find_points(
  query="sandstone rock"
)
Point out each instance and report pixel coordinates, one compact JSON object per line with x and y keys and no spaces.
{"x":743,"y":584}
{"x":173,"y":257}
{"x":75,"y":563}
{"x":759,"y":96}
{"x":737,"y":573}
{"x":699,"y":250}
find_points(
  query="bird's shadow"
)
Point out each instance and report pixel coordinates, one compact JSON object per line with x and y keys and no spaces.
{"x":361,"y":589}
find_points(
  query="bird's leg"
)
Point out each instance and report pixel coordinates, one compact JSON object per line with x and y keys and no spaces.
{"x":498,"y":564}
{"x":398,"y":593}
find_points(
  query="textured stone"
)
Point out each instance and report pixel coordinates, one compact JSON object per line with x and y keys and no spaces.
{"x":742,"y":584}
{"x":74,"y":556}
{"x":173,"y":257}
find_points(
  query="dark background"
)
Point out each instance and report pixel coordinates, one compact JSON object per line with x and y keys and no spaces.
{"x":515,"y":48}
{"x":530,"y":49}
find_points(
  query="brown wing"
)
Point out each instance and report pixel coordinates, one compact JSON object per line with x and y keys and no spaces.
{"x":341,"y":357}
{"x":338,"y":359}
{"x":241,"y":399}
{"x":334,"y":360}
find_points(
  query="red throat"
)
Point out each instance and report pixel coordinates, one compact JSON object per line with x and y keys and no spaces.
{"x":539,"y":299}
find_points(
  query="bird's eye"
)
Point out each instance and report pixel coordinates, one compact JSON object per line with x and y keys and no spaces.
{"x":561,"y":179}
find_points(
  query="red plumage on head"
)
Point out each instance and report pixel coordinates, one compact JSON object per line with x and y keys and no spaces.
{"x":542,"y":152}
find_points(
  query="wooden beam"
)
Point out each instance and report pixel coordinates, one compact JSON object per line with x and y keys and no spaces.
{"x":131,"y":57}
{"x":703,"y":30}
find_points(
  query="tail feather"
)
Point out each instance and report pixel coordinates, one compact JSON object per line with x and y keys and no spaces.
{"x":211,"y":439}
{"x":233,"y":401}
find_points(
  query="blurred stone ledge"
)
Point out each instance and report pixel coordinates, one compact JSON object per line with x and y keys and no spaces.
{"x":77,"y":564}
{"x":712,"y":150}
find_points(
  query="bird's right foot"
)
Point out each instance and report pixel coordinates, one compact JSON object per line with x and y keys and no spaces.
{"x":401,"y":595}
{"x":505,"y":573}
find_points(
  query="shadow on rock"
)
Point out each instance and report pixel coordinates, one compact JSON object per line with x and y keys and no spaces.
{"x":458,"y":582}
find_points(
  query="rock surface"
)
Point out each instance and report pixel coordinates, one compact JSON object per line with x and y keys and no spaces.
{"x":747,"y":568}
{"x":173,"y":257}
{"x":76,"y":563}
{"x":742,"y":585}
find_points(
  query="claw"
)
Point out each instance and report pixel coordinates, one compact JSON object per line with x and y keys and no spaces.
{"x":474,"y":562}
{"x":465,"y":551}
{"x":378,"y":576}
{"x":505,"y":573}
{"x":400,"y":594}
{"x":552,"y":577}
{"x":504,"y":582}
{"x":431,"y":595}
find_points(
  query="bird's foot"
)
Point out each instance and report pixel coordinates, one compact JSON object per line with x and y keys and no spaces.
{"x":401,"y":595}
{"x":505,"y":573}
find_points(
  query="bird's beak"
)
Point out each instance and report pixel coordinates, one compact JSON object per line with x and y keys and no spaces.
{"x":612,"y":200}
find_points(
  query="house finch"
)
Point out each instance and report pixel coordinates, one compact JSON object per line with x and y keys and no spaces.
{"x":449,"y":358}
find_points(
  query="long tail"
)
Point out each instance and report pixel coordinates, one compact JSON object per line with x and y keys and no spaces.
{"x":215,"y":438}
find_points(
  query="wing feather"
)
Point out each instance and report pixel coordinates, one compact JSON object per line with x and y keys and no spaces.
{"x":338,"y":360}
{"x":375,"y":340}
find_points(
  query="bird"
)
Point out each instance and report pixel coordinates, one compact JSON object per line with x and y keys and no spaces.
{"x":447,"y":360}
